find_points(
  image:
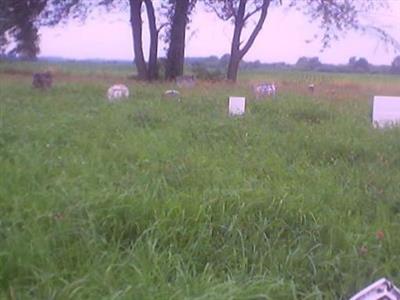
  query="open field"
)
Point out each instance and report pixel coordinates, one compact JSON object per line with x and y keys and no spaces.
{"x":153,"y":199}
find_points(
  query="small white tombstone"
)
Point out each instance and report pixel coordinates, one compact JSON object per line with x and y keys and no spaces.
{"x":386,"y":111}
{"x":117,"y":92}
{"x":237,"y":106}
{"x":172,"y":94}
{"x":379,"y":290}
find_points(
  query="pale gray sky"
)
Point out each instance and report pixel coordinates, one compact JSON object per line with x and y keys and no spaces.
{"x":283,"y":38}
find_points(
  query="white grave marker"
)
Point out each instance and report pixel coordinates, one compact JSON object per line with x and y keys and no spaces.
{"x":237,"y":106}
{"x":382,"y":289}
{"x":117,"y":92}
{"x":386,"y":111}
{"x":264,"y":90}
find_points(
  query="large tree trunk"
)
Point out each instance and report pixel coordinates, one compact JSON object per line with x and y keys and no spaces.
{"x":152,"y":67}
{"x":176,"y":50}
{"x":136,"y":24}
{"x":235,"y":58}
{"x":237,"y":54}
{"x":233,"y":67}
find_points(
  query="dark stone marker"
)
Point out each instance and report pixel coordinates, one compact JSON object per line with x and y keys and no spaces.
{"x":42,"y":80}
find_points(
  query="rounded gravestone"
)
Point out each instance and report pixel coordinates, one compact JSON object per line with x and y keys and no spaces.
{"x":117,"y":92}
{"x":172,"y":95}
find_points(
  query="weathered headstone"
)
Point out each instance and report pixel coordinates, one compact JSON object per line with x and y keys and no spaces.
{"x":382,"y":289}
{"x":172,"y":95}
{"x":386,"y":111}
{"x":237,"y":106}
{"x":42,"y":80}
{"x":117,"y":92}
{"x":264,"y":90}
{"x":186,"y":81}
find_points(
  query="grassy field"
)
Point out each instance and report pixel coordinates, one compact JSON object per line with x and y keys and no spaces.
{"x":154,"y":199}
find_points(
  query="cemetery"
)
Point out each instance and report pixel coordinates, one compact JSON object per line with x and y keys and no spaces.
{"x":200,"y":150}
{"x":188,"y":189}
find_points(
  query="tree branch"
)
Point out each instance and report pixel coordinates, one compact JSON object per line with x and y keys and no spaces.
{"x":162,"y":26}
{"x":249,"y":15}
{"x":232,"y":11}
{"x":257,"y":28}
{"x":223,"y":16}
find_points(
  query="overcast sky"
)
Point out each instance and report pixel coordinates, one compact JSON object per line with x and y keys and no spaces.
{"x":283,"y":38}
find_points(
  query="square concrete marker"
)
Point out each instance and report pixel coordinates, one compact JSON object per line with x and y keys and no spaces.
{"x":379,"y":290}
{"x":237,"y":106}
{"x":386,"y":111}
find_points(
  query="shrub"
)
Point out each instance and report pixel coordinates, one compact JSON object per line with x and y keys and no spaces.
{"x":204,"y":73}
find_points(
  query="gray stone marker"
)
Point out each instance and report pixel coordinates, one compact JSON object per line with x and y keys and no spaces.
{"x":237,"y":106}
{"x":172,"y":95}
{"x":186,"y":81}
{"x":382,"y":289}
{"x":386,"y":111}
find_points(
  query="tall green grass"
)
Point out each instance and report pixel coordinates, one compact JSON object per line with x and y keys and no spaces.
{"x":154,"y":199}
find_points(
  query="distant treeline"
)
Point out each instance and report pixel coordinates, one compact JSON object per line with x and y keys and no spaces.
{"x":354,"y":65}
{"x":213,"y":67}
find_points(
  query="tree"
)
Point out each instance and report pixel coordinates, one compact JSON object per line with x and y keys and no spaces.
{"x":176,"y":50}
{"x":154,"y":33}
{"x":178,"y":13}
{"x":136,"y":24}
{"x":241,"y":12}
{"x":224,"y":60}
{"x":5,"y":25}
{"x":395,"y":68}
{"x":362,"y":65}
{"x":308,"y":63}
{"x":19,"y":27}
{"x":22,"y":18}
{"x":20,"y":21}
{"x":359,"y":65}
{"x":59,"y":11}
{"x":150,"y":71}
{"x":352,"y":61}
{"x":335,"y":18}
